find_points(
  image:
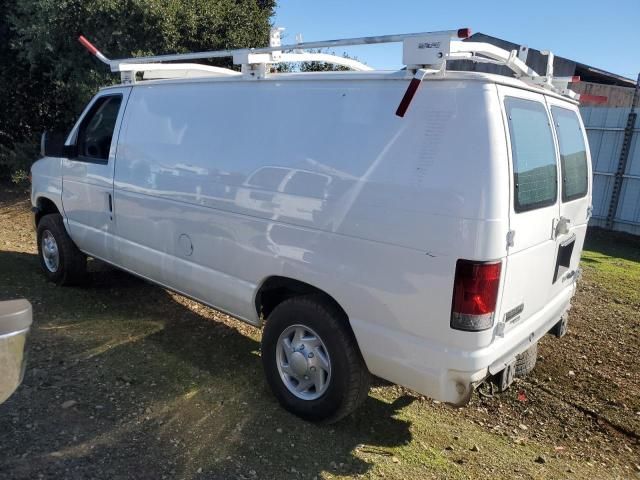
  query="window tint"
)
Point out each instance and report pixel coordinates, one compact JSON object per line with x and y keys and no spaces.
{"x":534,"y":159}
{"x":96,"y":131}
{"x":573,"y":154}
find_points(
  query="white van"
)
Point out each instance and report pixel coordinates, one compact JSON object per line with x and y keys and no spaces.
{"x":429,"y":236}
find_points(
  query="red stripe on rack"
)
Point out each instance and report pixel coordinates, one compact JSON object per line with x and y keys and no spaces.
{"x":88,"y":45}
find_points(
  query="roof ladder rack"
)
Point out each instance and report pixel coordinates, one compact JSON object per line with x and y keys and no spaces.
{"x":424,"y":54}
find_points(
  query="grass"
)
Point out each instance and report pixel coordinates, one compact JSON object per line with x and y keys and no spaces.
{"x":613,"y":261}
{"x":167,"y":388}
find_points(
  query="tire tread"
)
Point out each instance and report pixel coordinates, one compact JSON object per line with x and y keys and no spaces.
{"x":526,"y":361}
{"x":73,"y":263}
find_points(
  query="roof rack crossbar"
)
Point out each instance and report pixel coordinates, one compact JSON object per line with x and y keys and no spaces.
{"x":344,"y":42}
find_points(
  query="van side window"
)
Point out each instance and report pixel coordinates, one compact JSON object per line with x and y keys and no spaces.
{"x":96,"y":130}
{"x":573,"y":154}
{"x":534,"y":160}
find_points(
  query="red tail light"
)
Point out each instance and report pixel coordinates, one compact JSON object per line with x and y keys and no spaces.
{"x":475,"y":292}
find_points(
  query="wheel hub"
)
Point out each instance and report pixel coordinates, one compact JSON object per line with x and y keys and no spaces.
{"x":298,"y":363}
{"x":303,"y":362}
{"x":50,"y":253}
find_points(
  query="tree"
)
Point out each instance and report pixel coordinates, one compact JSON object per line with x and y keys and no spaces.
{"x":47,"y":77}
{"x":323,"y":66}
{"x":313,"y":66}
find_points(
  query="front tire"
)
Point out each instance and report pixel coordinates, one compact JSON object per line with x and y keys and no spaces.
{"x":60,"y":259}
{"x":311,"y":360}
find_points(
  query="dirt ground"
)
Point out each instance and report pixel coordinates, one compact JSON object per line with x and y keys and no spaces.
{"x":127,"y":380}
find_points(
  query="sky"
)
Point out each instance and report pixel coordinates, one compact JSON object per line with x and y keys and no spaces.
{"x":602,"y":34}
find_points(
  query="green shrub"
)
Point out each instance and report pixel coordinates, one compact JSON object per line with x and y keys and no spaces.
{"x":47,"y":77}
{"x":16,"y":160}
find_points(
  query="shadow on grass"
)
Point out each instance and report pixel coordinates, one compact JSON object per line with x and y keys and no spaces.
{"x":612,"y":244}
{"x":590,"y":260}
{"x":161,"y":390}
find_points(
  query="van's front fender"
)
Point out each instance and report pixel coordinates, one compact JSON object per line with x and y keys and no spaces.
{"x":46,"y":182}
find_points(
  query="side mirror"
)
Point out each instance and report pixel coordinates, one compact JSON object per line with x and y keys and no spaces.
{"x":52,"y":145}
{"x":15,"y":322}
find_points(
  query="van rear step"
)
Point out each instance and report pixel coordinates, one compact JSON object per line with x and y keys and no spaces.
{"x":519,"y":367}
{"x":526,"y":361}
{"x":559,"y":330}
{"x":505,"y":377}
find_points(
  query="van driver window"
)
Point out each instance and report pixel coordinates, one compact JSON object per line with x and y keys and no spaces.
{"x":96,"y":131}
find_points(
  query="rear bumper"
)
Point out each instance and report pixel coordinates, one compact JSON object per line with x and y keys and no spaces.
{"x":448,"y":374}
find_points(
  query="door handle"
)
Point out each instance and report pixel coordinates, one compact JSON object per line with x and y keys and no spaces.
{"x":562,"y":227}
{"x":110,"y":205}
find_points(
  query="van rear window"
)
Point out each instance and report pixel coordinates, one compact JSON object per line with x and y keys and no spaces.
{"x":534,"y":160}
{"x":573,"y":154}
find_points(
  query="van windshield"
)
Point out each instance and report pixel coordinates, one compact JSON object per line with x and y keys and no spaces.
{"x":534,"y":159}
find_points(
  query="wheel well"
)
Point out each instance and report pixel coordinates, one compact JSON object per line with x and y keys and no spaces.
{"x":45,"y":207}
{"x":276,"y":289}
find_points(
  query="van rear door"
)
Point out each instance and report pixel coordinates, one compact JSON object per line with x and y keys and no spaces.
{"x":534,"y":207}
{"x":575,"y":182}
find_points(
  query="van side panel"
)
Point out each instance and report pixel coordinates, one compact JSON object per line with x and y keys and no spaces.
{"x":352,"y":165}
{"x":221,"y":185}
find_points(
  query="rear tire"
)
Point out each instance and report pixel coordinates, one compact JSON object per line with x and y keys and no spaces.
{"x":526,"y":361}
{"x":306,"y":341}
{"x":60,"y":259}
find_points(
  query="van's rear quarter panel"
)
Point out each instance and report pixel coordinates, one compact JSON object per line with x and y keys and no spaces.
{"x":319,"y":181}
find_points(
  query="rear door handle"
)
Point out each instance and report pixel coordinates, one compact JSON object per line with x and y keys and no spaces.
{"x":562,"y":227}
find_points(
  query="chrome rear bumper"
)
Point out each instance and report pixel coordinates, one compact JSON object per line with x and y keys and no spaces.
{"x":15,"y":323}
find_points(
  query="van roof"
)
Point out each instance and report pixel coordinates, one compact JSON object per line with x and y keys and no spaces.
{"x":360,"y":76}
